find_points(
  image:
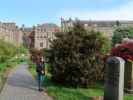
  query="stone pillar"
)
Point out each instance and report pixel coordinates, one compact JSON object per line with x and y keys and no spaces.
{"x":128,"y":81}
{"x":114,"y":79}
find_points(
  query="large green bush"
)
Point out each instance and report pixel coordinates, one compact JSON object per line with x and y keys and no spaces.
{"x":75,"y":57}
{"x":121,"y":33}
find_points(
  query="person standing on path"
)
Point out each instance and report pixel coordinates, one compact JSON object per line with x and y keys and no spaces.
{"x":40,"y":69}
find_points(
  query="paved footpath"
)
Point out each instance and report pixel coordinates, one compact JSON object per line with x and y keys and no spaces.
{"x":21,"y":86}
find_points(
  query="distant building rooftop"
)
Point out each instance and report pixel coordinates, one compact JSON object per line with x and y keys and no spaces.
{"x":48,"y":25}
{"x":100,"y":23}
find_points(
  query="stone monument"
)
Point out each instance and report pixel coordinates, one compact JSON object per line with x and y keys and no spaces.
{"x":128,"y":79}
{"x":114,"y":79}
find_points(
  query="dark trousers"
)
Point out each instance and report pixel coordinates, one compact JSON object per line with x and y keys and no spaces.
{"x":40,"y":78}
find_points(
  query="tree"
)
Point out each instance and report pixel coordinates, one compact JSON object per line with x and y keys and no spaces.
{"x":118,"y":23}
{"x":75,"y":57}
{"x":121,"y":33}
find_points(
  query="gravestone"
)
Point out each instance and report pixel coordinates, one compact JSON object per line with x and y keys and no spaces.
{"x":128,"y":79}
{"x":114,"y":79}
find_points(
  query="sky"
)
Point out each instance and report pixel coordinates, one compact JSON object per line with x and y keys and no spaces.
{"x":32,"y":12}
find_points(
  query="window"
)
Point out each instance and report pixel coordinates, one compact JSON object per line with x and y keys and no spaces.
{"x":41,"y":36}
{"x":85,"y":25}
{"x":41,"y":44}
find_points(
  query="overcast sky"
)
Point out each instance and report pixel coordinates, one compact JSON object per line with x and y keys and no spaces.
{"x":32,"y":12}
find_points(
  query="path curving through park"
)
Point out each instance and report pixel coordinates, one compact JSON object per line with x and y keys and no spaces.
{"x":20,"y":85}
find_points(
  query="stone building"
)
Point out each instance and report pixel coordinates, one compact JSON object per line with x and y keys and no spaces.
{"x":9,"y":32}
{"x":106,"y":27}
{"x":26,"y":35}
{"x":42,"y":34}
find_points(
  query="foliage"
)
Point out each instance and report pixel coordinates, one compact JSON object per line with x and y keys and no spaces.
{"x":124,"y":50}
{"x":7,"y":51}
{"x":34,"y":53}
{"x":121,"y":33}
{"x":75,"y":57}
{"x":106,"y":48}
{"x":7,"y":59}
{"x":22,"y":50}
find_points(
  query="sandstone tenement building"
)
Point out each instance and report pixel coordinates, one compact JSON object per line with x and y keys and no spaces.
{"x":106,"y":27}
{"x":10,"y":32}
{"x":42,"y":34}
{"x":27,"y":31}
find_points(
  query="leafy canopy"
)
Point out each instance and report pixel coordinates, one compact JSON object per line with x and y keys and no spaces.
{"x":121,"y":33}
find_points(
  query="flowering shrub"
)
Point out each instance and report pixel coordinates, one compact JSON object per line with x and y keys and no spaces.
{"x":124,"y":50}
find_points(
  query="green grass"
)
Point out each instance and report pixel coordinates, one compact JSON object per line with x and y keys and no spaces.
{"x":63,"y":93}
{"x":2,"y":78}
{"x":59,"y":92}
{"x":128,"y":97}
{"x":32,"y":68}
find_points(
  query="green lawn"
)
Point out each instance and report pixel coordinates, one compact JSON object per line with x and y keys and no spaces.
{"x":59,"y":92}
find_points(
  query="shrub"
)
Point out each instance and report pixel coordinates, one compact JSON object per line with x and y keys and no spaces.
{"x":121,"y":33}
{"x":22,"y":50}
{"x":75,"y":57}
{"x":7,"y":51}
{"x":34,"y":53}
{"x":124,"y":50}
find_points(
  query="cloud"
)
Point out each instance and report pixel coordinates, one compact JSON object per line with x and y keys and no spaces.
{"x":104,"y":1}
{"x":124,"y":12}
